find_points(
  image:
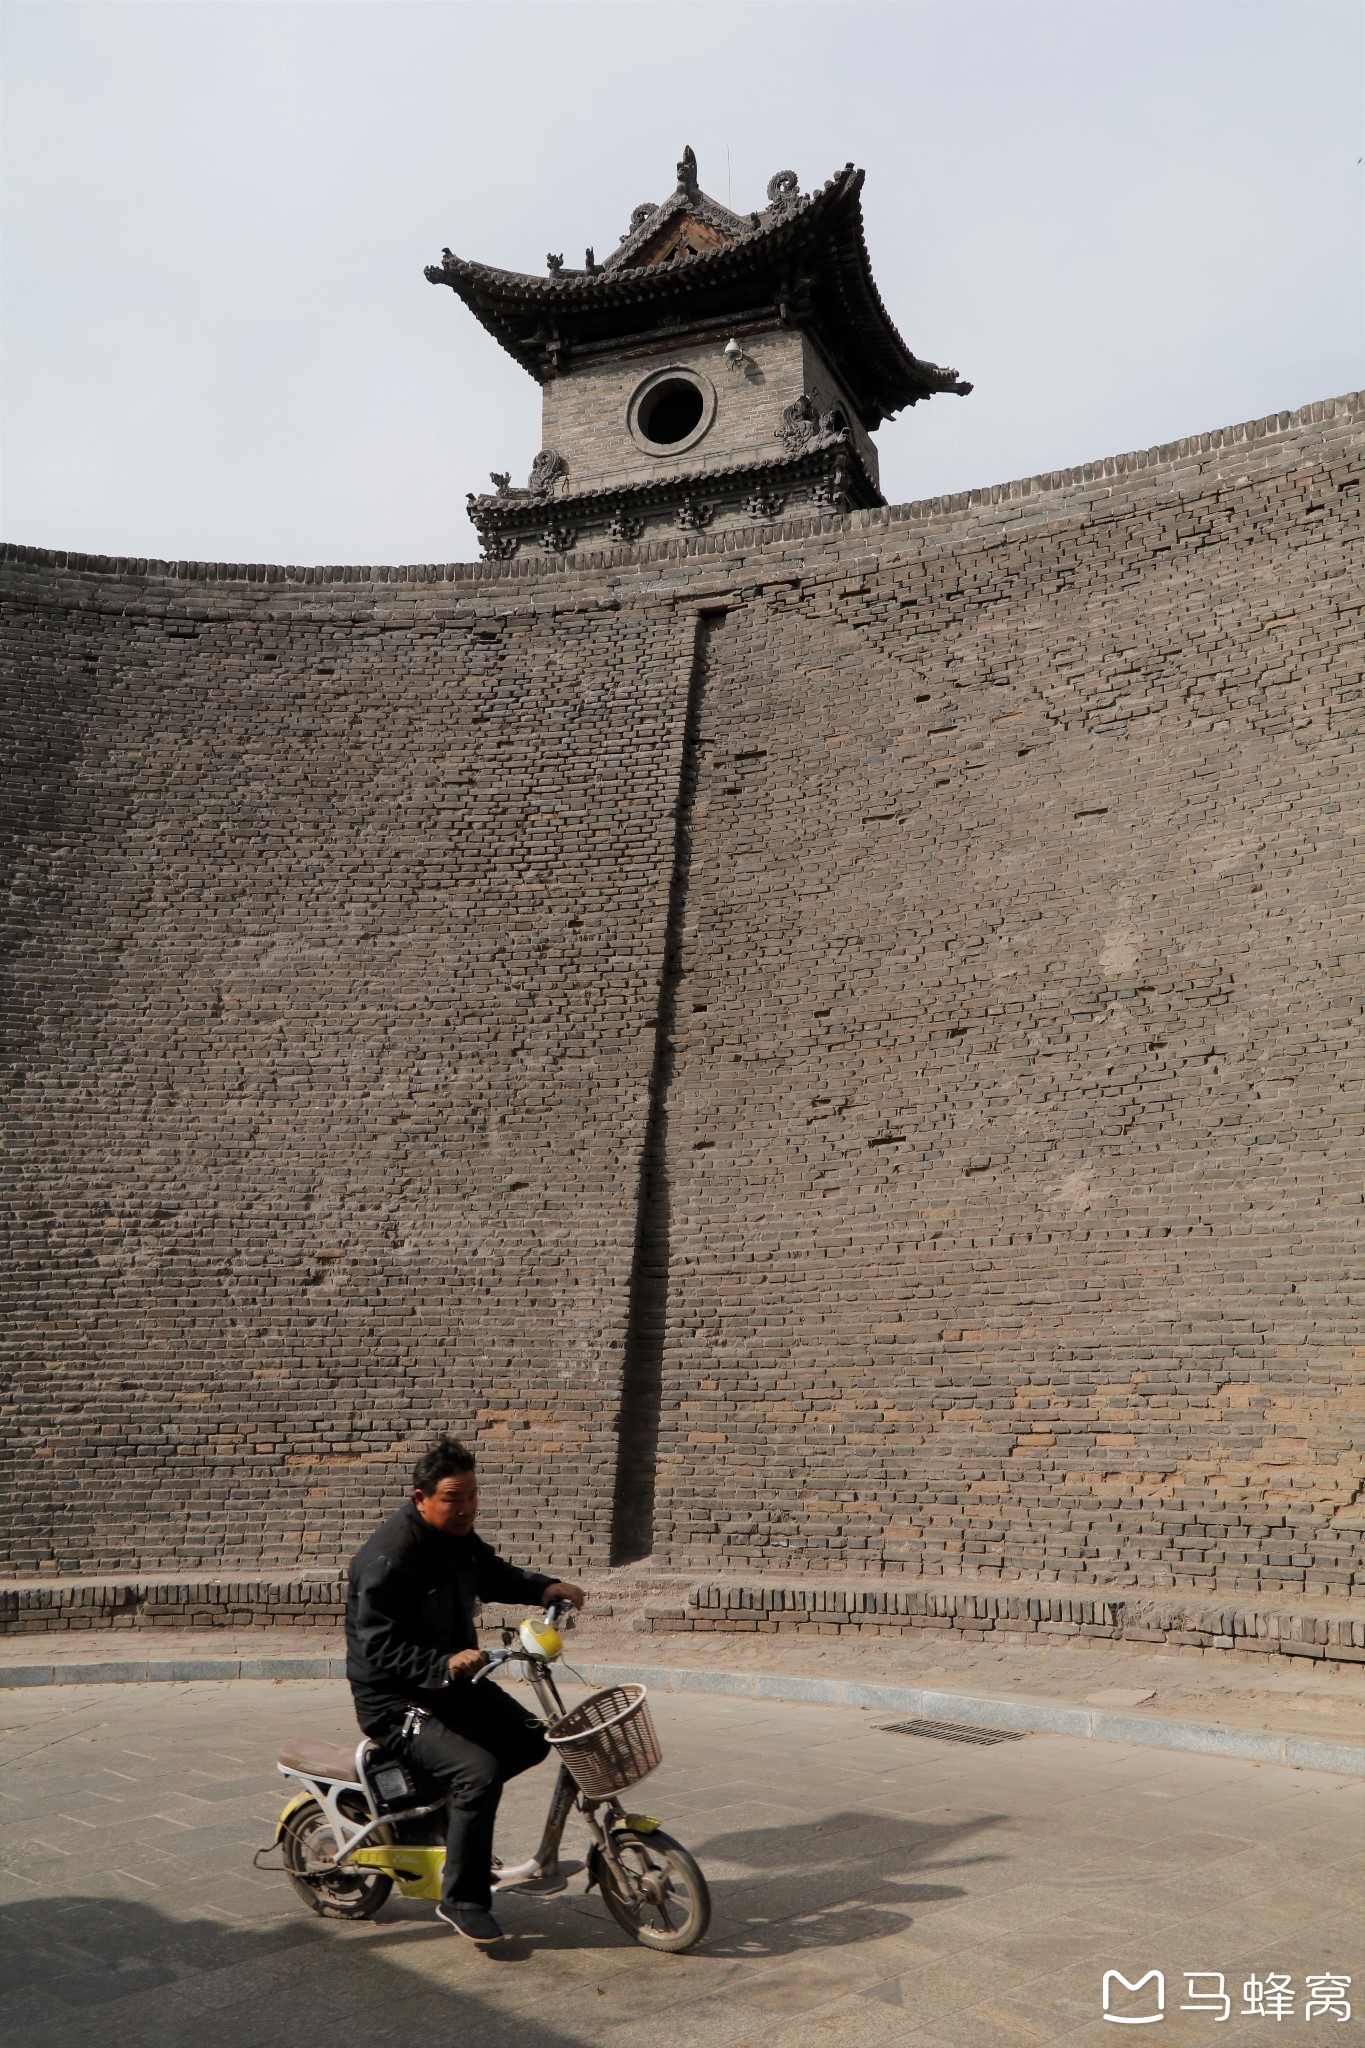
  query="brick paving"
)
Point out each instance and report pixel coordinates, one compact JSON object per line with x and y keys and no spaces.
{"x":870,"y":1888}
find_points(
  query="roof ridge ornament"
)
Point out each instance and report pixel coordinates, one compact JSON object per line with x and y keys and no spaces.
{"x":784,"y":194}
{"x":646,"y":210}
{"x":687,"y":172}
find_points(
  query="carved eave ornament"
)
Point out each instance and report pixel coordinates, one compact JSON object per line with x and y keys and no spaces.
{"x":824,"y":470}
{"x":693,"y":266}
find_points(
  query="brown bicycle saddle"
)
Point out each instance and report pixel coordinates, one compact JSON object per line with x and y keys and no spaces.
{"x":319,"y":1759}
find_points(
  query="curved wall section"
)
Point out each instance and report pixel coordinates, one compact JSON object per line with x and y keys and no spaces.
{"x":919,"y":1024}
{"x":336,"y":918}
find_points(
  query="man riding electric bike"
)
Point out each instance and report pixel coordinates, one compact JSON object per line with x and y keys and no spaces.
{"x":412,"y":1654}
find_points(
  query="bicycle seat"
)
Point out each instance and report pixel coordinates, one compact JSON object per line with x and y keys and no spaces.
{"x":319,"y":1759}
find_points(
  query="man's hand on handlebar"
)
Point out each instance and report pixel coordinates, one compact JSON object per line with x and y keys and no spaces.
{"x":562,"y":1591}
{"x":472,"y":1664}
{"x":466,"y":1664}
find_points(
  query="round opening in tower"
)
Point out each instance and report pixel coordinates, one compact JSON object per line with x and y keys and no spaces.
{"x":670,"y":411}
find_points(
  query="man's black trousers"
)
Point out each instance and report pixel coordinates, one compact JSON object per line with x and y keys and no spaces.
{"x":473,"y":1740}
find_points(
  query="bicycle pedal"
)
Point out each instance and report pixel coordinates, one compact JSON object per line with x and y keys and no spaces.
{"x":545,"y":1886}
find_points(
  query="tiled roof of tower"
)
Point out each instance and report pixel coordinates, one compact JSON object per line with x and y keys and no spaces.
{"x":692,"y":265}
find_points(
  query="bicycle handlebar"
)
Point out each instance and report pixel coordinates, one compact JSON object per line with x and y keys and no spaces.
{"x":496,"y":1658}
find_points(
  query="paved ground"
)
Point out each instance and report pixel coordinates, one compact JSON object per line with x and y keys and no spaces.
{"x":1294,"y":1695}
{"x":870,"y":1888}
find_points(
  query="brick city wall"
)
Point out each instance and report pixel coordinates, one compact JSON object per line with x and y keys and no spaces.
{"x":337,"y":912}
{"x":871,"y":1007}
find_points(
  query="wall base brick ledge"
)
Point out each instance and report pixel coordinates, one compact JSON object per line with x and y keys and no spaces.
{"x":1332,"y":1631}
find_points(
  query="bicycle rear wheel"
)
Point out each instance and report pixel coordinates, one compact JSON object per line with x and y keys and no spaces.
{"x":669,"y":1907}
{"x":309,"y":1847}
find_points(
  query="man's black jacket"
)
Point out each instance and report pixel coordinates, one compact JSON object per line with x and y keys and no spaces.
{"x":411,"y":1606}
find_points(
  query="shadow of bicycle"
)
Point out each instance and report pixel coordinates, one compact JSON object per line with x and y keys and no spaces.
{"x":838,"y":1878}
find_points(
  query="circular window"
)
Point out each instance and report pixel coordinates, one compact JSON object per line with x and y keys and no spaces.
{"x":671,"y":411}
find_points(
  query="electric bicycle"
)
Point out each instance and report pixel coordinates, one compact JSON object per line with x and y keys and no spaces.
{"x":365,"y":1821}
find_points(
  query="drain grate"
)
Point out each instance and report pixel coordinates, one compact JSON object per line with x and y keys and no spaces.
{"x":953,"y":1731}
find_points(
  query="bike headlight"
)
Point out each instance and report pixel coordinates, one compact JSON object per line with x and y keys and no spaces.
{"x":538,"y":1639}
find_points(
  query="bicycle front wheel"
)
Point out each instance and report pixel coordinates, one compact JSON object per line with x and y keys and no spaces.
{"x":667,"y":1905}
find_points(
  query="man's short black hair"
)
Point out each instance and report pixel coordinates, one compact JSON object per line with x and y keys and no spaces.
{"x":446,"y":1457}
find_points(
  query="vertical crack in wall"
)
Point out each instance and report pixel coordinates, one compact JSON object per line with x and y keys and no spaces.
{"x":632,"y":1520}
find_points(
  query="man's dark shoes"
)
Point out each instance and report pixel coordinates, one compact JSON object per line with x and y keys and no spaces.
{"x":473,"y":1922}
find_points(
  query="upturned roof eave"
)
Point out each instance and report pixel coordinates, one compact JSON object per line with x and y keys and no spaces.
{"x":580,"y":311}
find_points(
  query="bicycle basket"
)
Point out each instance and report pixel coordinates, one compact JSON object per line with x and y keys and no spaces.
{"x":608,"y":1740}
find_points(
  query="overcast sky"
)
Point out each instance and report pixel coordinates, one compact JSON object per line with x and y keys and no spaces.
{"x":1124,"y":222}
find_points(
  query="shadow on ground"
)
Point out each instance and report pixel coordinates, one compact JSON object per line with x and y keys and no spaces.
{"x":839,"y":1878}
{"x":78,"y":1971}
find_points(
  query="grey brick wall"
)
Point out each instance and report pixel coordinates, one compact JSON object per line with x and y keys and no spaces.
{"x":584,"y":412}
{"x":1011,"y":1095}
{"x":336,"y":922}
{"x":1016,"y":1127}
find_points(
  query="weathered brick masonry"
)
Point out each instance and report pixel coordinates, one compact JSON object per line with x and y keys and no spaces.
{"x":884,"y":992}
{"x":338,"y":914}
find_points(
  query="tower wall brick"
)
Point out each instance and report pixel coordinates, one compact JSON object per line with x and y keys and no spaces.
{"x":584,"y":411}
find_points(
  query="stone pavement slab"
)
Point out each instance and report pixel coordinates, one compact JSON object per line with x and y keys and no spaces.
{"x":870,"y":1887}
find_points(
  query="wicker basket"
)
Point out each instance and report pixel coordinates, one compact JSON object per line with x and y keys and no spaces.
{"x":608,"y":1740}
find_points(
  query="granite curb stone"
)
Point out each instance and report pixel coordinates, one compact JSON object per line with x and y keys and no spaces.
{"x":818,"y":1691}
{"x":169,"y":1670}
{"x":115,"y":1672}
{"x":1029,"y":1716}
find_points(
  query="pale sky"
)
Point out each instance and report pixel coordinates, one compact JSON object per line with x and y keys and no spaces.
{"x":1124,"y":222}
